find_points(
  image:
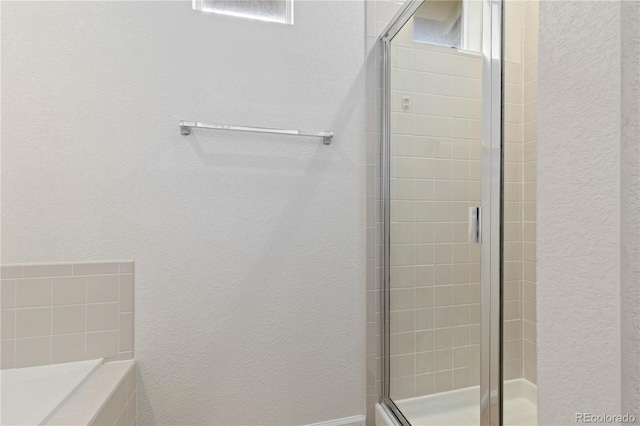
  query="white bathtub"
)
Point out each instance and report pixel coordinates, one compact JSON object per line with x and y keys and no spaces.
{"x":33,"y":395}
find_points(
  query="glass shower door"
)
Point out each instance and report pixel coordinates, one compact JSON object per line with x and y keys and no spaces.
{"x":441,"y":163}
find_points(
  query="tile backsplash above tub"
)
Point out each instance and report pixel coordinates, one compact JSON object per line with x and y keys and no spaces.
{"x":62,"y":312}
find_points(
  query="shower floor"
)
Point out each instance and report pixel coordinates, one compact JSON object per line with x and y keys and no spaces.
{"x":460,"y":407}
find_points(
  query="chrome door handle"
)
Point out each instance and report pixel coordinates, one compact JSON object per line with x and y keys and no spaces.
{"x":475,"y":235}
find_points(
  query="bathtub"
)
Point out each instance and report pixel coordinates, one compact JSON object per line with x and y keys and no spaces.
{"x":33,"y":395}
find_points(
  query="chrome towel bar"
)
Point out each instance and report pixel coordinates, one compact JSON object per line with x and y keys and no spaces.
{"x":186,"y":126}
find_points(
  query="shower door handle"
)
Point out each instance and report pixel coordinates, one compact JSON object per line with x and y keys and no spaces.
{"x":475,"y":235}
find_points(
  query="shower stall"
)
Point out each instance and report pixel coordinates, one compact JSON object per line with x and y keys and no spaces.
{"x":458,"y":240}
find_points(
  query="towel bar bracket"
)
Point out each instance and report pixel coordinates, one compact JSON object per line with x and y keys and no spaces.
{"x":185,"y":130}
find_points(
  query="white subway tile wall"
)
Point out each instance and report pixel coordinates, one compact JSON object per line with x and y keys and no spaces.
{"x":63,"y":312}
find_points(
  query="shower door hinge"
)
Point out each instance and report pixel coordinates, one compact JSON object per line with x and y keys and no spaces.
{"x":475,"y":235}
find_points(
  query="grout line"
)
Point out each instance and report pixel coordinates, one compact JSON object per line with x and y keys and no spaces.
{"x":51,"y":321}
{"x":86,"y":319}
{"x":15,"y":322}
{"x":119,"y":313}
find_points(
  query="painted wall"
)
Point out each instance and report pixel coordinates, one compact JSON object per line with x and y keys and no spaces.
{"x":249,"y":249}
{"x":579,"y":220}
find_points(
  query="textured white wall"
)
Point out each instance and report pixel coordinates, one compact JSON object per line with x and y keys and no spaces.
{"x":249,"y":249}
{"x":578,"y":210}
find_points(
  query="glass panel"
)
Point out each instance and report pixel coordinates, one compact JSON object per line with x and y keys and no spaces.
{"x":449,"y":23}
{"x":265,"y":10}
{"x":519,"y":285}
{"x":435,"y":178}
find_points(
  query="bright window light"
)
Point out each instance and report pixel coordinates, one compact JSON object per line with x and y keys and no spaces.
{"x":452,"y":23}
{"x":264,"y":10}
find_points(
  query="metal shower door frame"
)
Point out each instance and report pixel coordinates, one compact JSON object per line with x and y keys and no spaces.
{"x":491,"y":219}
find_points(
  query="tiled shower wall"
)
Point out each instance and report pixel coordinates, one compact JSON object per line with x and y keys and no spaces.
{"x":529,"y":178}
{"x":520,"y":149}
{"x":513,"y":229}
{"x":520,"y":112}
{"x":436,"y":172}
{"x":63,"y":312}
{"x":378,"y":15}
